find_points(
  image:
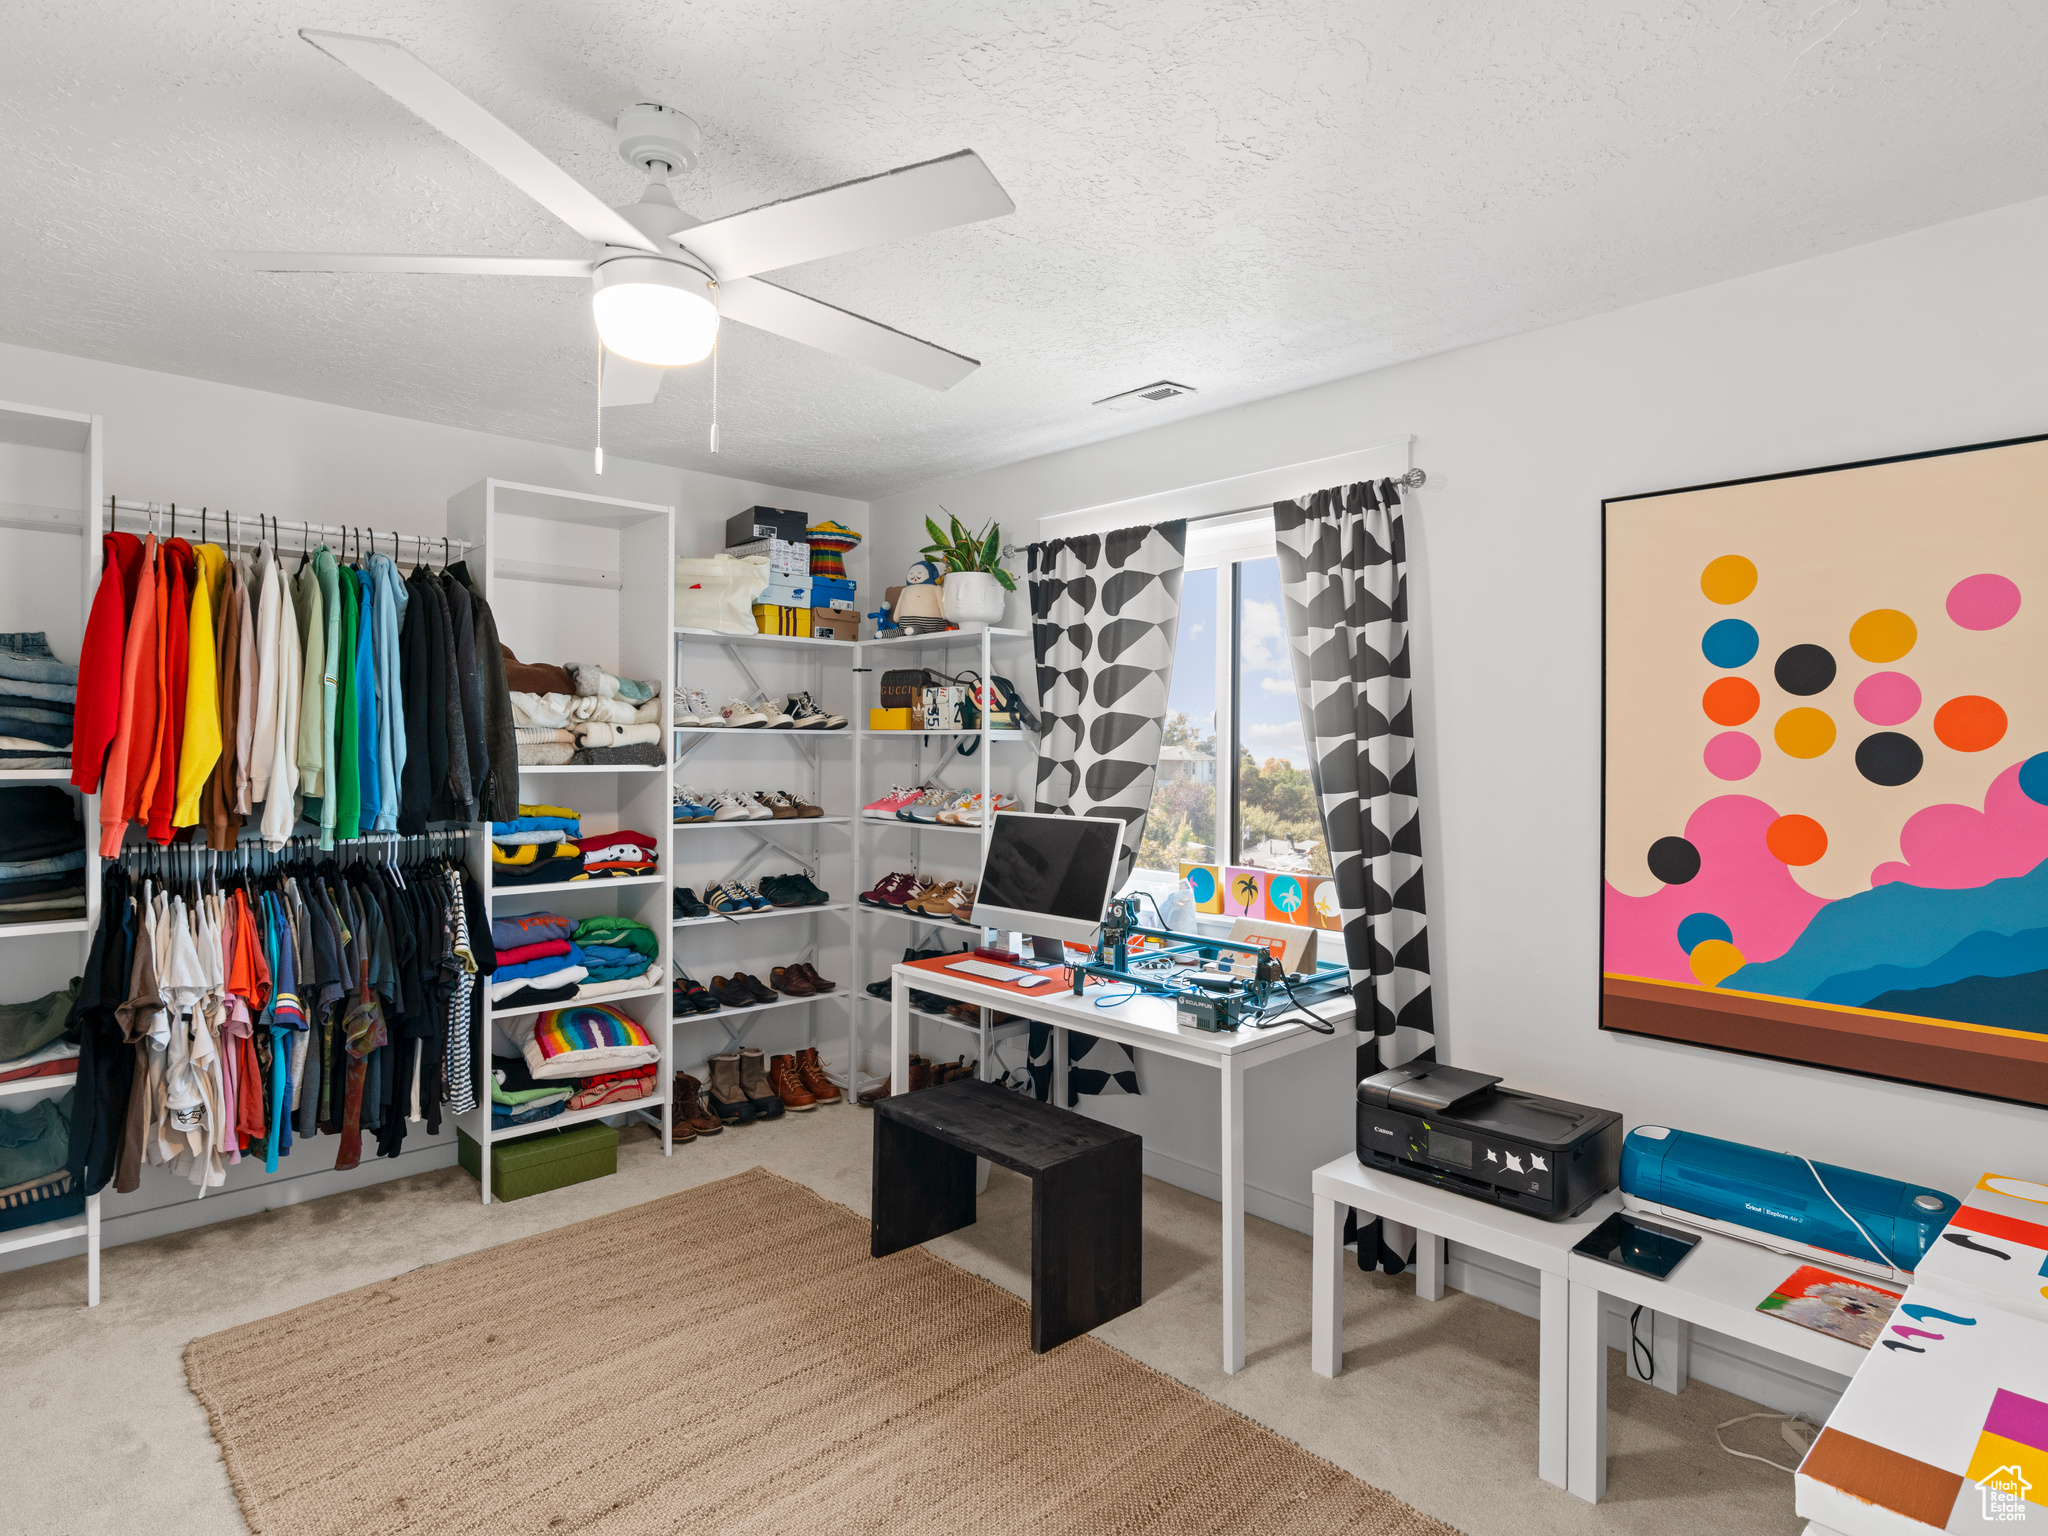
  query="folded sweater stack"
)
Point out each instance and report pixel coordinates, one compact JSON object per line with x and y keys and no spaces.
{"x":537,"y":847}
{"x":595,"y":713}
{"x":545,"y":959}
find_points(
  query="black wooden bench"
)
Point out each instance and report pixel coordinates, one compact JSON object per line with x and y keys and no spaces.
{"x":1085,"y":1228}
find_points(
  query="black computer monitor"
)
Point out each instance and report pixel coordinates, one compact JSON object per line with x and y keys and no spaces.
{"x":1049,"y":876}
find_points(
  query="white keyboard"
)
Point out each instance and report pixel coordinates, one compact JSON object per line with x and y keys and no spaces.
{"x":990,"y":972}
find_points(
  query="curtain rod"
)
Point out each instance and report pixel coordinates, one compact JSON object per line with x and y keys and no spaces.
{"x":231,"y":523}
{"x":1413,"y":480}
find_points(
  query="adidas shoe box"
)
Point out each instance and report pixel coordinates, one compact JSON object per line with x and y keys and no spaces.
{"x":827,"y":592}
{"x":787,"y":562}
{"x":767,"y":523}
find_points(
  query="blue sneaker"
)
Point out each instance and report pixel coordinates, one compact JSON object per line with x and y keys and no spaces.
{"x":687,"y":805}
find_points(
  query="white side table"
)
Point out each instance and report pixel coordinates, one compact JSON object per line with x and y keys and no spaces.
{"x":1717,"y":1286}
{"x":1437,"y":1214}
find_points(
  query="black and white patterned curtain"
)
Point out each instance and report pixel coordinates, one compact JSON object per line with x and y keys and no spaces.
{"x":1105,"y":608}
{"x":1344,"y":582}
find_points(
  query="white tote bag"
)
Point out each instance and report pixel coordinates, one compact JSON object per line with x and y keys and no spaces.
{"x":717,"y":592}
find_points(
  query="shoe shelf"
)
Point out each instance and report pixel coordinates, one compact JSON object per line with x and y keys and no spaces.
{"x":918,"y":918}
{"x":556,"y":887}
{"x":706,"y":824}
{"x":866,"y":734}
{"x":809,"y":733}
{"x":997,"y":1031}
{"x":526,"y":768}
{"x":893,"y":823}
{"x":753,"y":917}
{"x":782,"y":1000}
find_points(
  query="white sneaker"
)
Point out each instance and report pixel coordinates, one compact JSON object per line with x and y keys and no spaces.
{"x":743,"y":716}
{"x":734,"y":806}
{"x":679,"y":712}
{"x":774,"y":718}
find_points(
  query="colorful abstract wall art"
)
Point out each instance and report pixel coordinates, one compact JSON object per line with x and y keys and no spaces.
{"x":1826,"y":768}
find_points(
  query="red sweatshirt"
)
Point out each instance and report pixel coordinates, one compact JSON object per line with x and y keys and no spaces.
{"x":98,"y":712}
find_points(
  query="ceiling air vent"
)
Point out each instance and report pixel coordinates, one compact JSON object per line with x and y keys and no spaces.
{"x":1146,"y":394}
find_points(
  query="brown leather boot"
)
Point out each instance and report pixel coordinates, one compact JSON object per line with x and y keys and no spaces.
{"x":920,"y":1077}
{"x":789,"y":1084}
{"x":755,"y":1085}
{"x":729,"y":1100}
{"x":812,"y":1072}
{"x":691,"y":1110}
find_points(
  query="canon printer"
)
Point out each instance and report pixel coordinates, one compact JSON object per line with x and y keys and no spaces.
{"x":1463,"y":1132}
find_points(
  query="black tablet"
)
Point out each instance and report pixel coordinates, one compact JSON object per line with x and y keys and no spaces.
{"x":1629,"y":1242}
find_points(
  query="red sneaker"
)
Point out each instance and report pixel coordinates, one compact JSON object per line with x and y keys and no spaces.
{"x":892,"y":890}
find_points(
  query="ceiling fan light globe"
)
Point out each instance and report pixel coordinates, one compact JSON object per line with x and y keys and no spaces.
{"x":654,"y":311}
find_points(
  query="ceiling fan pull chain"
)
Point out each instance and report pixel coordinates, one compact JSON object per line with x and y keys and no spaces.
{"x":715,"y":350}
{"x":600,"y":407}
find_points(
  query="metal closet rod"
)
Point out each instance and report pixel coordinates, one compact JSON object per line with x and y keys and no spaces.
{"x":231,"y":522}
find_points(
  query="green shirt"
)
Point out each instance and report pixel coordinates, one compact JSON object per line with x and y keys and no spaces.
{"x":344,"y":766}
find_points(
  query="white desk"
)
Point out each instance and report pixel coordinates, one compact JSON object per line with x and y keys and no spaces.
{"x":1717,"y":1286}
{"x":1437,"y":1214}
{"x":1145,"y":1023}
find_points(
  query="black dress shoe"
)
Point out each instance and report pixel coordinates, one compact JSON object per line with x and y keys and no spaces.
{"x":760,"y":993}
{"x":691,"y":994}
{"x":734,"y":993}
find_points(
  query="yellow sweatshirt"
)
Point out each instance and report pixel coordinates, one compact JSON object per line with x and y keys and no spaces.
{"x":201,"y":747}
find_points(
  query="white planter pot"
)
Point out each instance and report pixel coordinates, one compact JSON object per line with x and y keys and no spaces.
{"x":973,"y":599}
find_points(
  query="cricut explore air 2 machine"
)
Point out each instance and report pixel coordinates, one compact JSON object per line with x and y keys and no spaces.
{"x":1781,"y":1201}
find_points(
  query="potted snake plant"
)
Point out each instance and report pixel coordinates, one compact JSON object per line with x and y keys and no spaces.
{"x":973,"y":588}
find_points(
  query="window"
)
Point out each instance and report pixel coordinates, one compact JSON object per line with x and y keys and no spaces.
{"x":1233,"y":784}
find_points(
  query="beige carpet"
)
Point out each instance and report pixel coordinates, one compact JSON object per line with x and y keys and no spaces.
{"x":722,"y":1359}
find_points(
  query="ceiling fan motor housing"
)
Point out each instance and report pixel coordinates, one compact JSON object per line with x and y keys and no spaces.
{"x":651,"y":135}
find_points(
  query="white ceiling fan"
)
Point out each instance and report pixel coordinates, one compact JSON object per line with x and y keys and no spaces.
{"x":661,"y":279}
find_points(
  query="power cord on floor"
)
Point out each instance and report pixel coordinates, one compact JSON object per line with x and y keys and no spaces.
{"x":1799,"y":1444}
{"x":1639,"y":1351}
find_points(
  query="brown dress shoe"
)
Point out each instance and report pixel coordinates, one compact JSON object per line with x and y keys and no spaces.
{"x":789,"y":1084}
{"x":818,"y":982}
{"x":812,"y":1072}
{"x":691,"y":1110}
{"x":790,"y":979}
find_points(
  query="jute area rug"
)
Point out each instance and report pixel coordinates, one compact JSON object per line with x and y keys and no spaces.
{"x":730,"y":1359}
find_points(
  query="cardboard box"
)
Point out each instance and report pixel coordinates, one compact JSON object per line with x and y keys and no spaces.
{"x":1294,"y":947}
{"x":892,"y":719}
{"x":787,"y":562}
{"x":774,"y":619}
{"x":832,"y":624}
{"x":768,"y":523}
{"x":545,"y":1160}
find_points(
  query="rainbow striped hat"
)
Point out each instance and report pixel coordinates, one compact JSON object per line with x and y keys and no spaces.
{"x":829,"y":543}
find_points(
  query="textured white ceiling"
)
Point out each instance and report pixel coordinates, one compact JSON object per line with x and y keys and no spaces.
{"x":1243,"y":195}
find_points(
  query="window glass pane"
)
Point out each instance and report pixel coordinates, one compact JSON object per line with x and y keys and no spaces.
{"x":1181,"y":823}
{"x":1278,"y":826}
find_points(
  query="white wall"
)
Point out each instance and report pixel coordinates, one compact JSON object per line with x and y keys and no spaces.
{"x":1930,"y":340}
{"x":204,"y":444}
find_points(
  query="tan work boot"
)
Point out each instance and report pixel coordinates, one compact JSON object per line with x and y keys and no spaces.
{"x":812,"y":1072}
{"x":789,"y":1084}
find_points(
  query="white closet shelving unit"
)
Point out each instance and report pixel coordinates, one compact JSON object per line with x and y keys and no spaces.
{"x":703,"y":853}
{"x":882,"y":845}
{"x":50,"y":500}
{"x":533,"y":547}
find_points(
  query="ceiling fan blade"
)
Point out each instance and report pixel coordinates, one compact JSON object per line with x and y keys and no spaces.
{"x":815,"y":323}
{"x":626,"y":382}
{"x":478,"y":266}
{"x":911,"y":200}
{"x":401,"y":76}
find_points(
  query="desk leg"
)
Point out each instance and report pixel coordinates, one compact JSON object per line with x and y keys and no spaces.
{"x":1059,"y":1066}
{"x":1553,"y":1379}
{"x":1326,"y":1320}
{"x":1233,"y":1214}
{"x":1429,"y":1266}
{"x":899,"y":1038}
{"x":1586,"y":1437}
{"x":1669,"y":1341}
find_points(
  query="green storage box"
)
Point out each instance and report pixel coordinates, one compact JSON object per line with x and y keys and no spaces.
{"x":545,"y":1160}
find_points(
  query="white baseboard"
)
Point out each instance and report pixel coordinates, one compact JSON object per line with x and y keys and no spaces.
{"x":225,"y":1204}
{"x":1776,"y":1381}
